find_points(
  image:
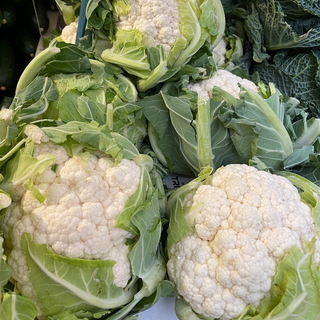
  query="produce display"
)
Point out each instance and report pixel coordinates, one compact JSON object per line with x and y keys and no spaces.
{"x":222,"y":95}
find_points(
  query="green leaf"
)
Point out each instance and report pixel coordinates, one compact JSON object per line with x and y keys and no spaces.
{"x":15,"y":307}
{"x":87,"y":134}
{"x":35,"y":65}
{"x":145,"y":259}
{"x":254,"y":29}
{"x":277,"y":32}
{"x":5,"y":269}
{"x":129,"y":121}
{"x":300,"y":8}
{"x":128,"y":51}
{"x":184,"y":311}
{"x":295,"y":288}
{"x":191,"y":30}
{"x":294,"y":74}
{"x":213,"y":19}
{"x":143,"y":255}
{"x":124,"y":88}
{"x":24,"y":167}
{"x":273,"y":144}
{"x":140,"y":198}
{"x":74,"y":106}
{"x":65,"y":284}
{"x":35,"y":99}
{"x":70,"y":59}
{"x":179,"y":226}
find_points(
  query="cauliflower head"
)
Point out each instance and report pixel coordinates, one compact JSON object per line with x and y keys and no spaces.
{"x":223,"y":79}
{"x":158,"y":21}
{"x":151,"y":37}
{"x":77,"y":219}
{"x":243,"y":223}
{"x":71,"y":224}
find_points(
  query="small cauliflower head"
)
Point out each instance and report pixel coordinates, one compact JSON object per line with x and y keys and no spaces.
{"x":69,"y":32}
{"x":223,"y":79}
{"x":244,"y":221}
{"x":220,"y":51}
{"x":158,"y":21}
{"x":77,"y":219}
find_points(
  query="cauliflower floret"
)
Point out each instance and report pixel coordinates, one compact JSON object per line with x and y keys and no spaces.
{"x":244,"y":222}
{"x":69,"y":32}
{"x":220,"y":51}
{"x":158,"y":21}
{"x":6,"y":114}
{"x":35,"y":133}
{"x":75,"y":220}
{"x":223,"y":79}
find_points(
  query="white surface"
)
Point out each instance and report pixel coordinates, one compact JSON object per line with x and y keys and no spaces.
{"x":163,"y":309}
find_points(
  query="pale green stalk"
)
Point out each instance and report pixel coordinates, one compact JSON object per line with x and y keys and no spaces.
{"x":204,"y":150}
{"x":34,"y":67}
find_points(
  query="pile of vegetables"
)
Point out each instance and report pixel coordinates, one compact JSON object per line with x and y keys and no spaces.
{"x":224,"y":94}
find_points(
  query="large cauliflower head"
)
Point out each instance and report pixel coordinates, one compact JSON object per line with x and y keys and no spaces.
{"x":244,"y":221}
{"x":78,"y":217}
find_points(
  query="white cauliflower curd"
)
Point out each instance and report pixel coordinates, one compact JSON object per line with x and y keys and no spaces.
{"x":69,"y":32}
{"x":158,"y":21}
{"x":77,"y":218}
{"x":220,"y":51}
{"x":223,"y":79}
{"x":243,"y":222}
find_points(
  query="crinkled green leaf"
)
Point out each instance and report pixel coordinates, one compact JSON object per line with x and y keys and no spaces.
{"x":300,"y":8}
{"x":295,"y":74}
{"x":254,"y":30}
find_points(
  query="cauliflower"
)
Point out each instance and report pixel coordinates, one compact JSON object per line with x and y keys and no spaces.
{"x":220,"y":51}
{"x":6,"y":114}
{"x":227,"y":51}
{"x":78,"y":207}
{"x":150,"y":37}
{"x":158,"y":21}
{"x":223,"y":79}
{"x":35,"y":133}
{"x":69,"y":32}
{"x":77,"y":219}
{"x":243,"y":223}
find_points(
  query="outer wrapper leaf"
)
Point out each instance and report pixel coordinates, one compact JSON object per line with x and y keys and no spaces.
{"x":296,"y":287}
{"x":15,"y":307}
{"x":179,"y":225}
{"x":74,"y":284}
